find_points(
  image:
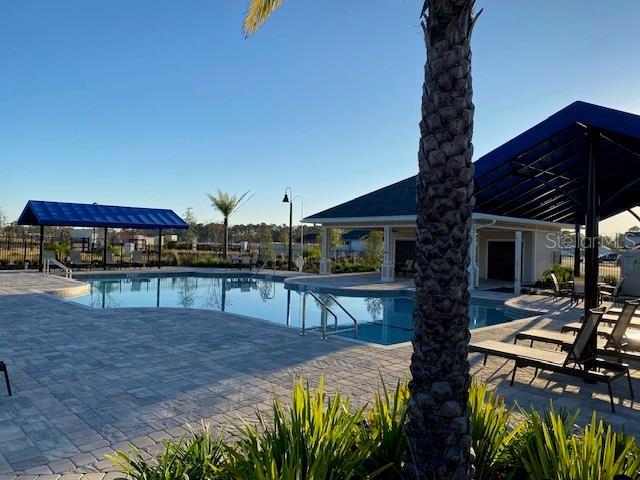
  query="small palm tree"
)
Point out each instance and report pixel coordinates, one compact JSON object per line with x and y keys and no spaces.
{"x":226,"y":204}
{"x":438,"y":426}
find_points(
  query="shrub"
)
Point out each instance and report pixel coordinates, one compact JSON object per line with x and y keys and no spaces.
{"x":61,"y":250}
{"x":385,"y":428}
{"x":322,"y":437}
{"x":610,"y":280}
{"x":211,"y":262}
{"x":552,"y":450}
{"x":317,"y":437}
{"x":563,"y":273}
{"x":198,"y":457}
{"x":492,"y":430}
{"x":312,"y":252}
{"x":353,"y":267}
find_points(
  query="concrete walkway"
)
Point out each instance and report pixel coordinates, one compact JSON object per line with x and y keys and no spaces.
{"x":90,"y":381}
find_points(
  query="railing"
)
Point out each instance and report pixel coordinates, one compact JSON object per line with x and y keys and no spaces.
{"x":355,"y":322}
{"x":68,"y":273}
{"x":325,"y":311}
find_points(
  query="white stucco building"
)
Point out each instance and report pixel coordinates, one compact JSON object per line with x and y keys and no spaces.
{"x":504,"y":248}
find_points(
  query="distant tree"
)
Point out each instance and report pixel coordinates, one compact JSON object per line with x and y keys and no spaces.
{"x":190,"y":235}
{"x":373,"y":247}
{"x":3,"y":219}
{"x":226,"y":204}
{"x":266,"y":244}
{"x":335,"y":238}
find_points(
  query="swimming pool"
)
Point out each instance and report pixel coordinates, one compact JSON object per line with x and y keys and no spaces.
{"x":384,"y":319}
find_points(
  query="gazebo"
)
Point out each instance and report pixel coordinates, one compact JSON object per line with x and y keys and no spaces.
{"x":62,"y":214}
{"x":580,"y":166}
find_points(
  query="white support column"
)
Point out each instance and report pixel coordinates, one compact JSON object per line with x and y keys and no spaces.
{"x":387,"y":273}
{"x":517,"y":283}
{"x":325,"y":255}
{"x":473,"y":265}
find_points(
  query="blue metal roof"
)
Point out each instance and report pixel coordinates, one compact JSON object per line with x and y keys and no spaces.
{"x":94,"y":215}
{"x":540,"y":174}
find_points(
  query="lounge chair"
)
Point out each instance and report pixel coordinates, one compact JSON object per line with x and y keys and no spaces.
{"x":619,"y":341}
{"x":110,"y":261}
{"x":610,"y":318}
{"x":572,"y":362}
{"x":559,"y":290}
{"x":137,"y":259}
{"x":611,"y":293}
{"x":3,"y":368}
{"x":577,"y":291}
{"x":75,"y":260}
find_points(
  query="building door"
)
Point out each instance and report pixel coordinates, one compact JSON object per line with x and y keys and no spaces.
{"x":501,"y":262}
{"x":405,"y":250}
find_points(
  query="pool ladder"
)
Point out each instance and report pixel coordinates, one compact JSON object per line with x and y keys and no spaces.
{"x":325,"y":312}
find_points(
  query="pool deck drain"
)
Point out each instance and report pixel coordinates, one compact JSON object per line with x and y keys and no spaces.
{"x":87,"y":382}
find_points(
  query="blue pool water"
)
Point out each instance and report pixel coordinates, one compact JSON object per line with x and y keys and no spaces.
{"x":381,"y":319}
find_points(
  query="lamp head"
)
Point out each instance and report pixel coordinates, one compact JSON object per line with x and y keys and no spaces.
{"x":286,"y":198}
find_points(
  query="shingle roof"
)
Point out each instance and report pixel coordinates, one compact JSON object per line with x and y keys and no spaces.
{"x":94,"y":215}
{"x":393,"y":200}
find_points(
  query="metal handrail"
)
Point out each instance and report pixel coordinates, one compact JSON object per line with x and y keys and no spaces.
{"x":68,"y":273}
{"x":325,"y":309}
{"x":355,"y":322}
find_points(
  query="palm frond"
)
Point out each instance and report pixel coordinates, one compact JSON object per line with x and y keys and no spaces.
{"x":226,"y":203}
{"x":257,"y":14}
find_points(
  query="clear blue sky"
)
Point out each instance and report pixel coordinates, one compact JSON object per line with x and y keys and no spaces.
{"x":155,"y":102}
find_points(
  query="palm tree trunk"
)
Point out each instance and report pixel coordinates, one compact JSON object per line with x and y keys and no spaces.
{"x":225,"y":241}
{"x":438,"y":426}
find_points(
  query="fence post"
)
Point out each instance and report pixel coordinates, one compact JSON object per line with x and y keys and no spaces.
{"x":576,"y":252}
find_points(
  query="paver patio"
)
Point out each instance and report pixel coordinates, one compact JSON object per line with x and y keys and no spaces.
{"x":88,"y":381}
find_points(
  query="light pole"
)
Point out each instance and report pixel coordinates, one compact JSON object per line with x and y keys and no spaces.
{"x":290,"y":202}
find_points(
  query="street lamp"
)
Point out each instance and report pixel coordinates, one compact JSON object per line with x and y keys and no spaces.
{"x":290,"y":202}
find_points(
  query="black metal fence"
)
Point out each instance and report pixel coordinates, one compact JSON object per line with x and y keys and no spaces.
{"x":19,"y":251}
{"x":608,"y":271}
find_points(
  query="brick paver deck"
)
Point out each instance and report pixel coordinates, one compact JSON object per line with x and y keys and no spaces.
{"x":88,"y":381}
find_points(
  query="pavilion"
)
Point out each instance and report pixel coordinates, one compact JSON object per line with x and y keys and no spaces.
{"x":62,"y":214}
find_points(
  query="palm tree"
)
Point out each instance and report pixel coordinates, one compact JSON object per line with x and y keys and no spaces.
{"x":438,"y":424}
{"x":226,"y":204}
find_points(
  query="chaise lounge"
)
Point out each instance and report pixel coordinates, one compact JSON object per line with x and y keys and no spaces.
{"x":620,"y":341}
{"x":577,"y":361}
